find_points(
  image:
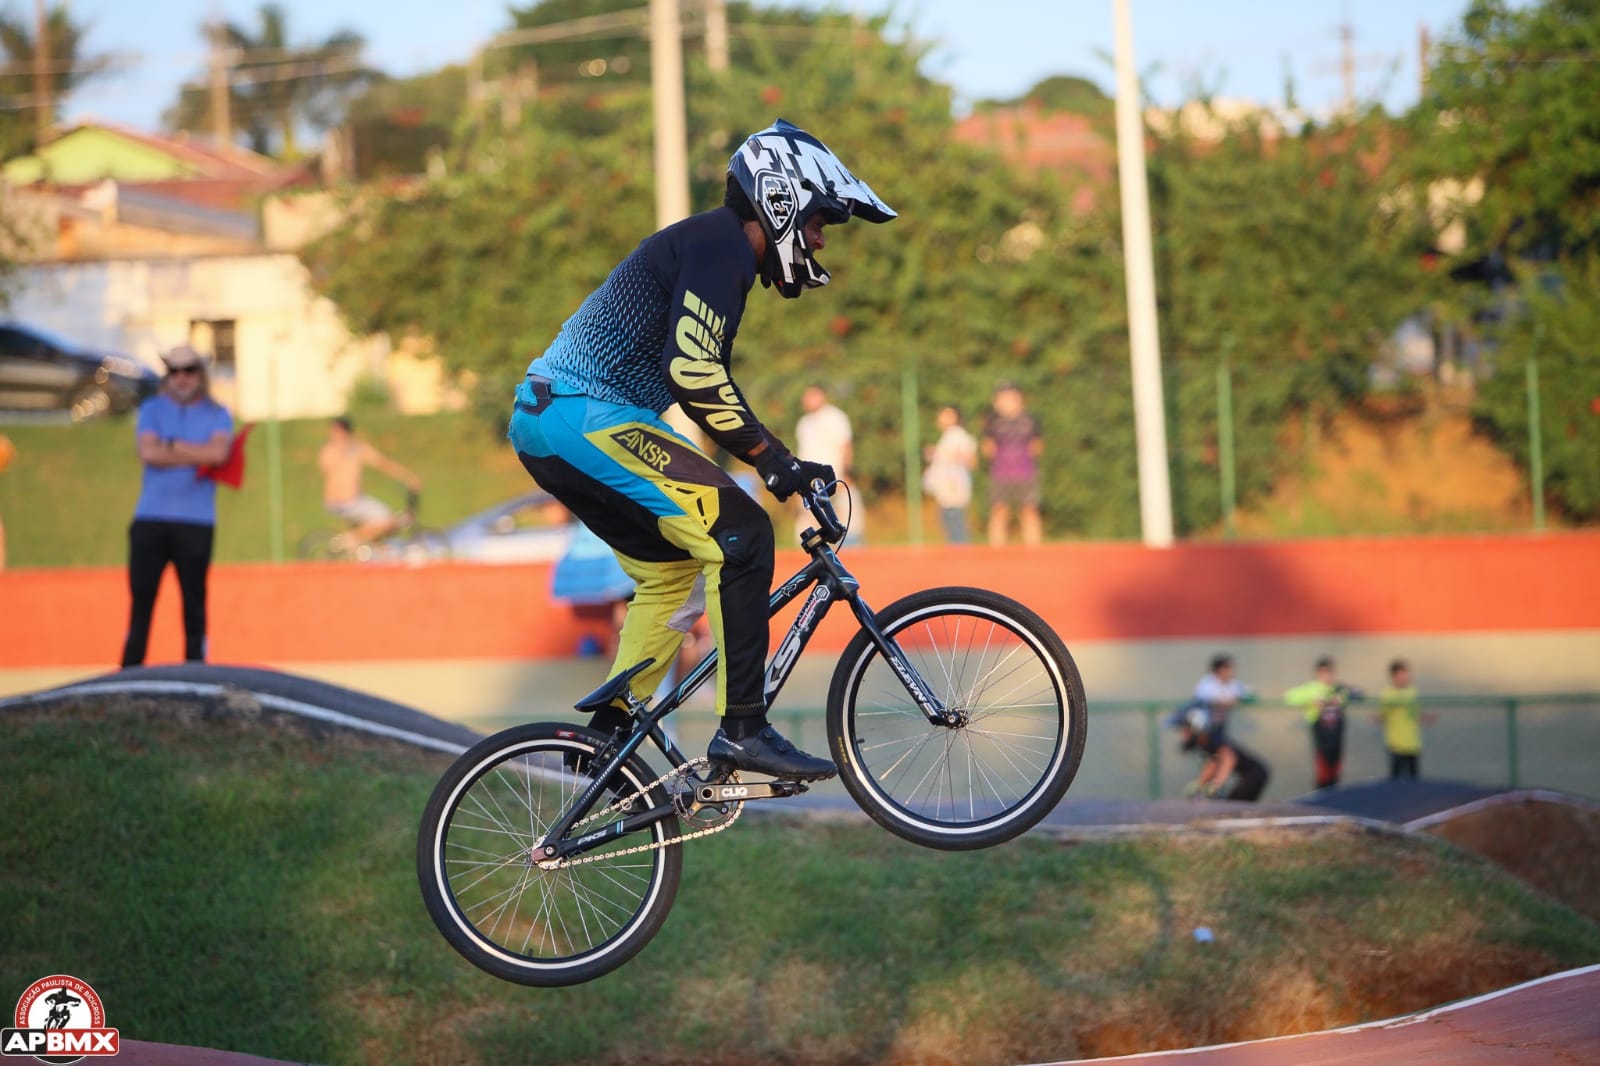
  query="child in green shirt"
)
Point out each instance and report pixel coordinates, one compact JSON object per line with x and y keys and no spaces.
{"x":1323,"y":700}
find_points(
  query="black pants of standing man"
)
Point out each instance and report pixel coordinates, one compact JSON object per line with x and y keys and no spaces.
{"x":151,"y":546}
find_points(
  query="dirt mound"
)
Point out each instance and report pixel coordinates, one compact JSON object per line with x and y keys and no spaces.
{"x":1395,"y":466}
{"x":1555,"y":847}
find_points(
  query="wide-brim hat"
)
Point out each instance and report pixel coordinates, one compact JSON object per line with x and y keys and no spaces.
{"x":182,"y":357}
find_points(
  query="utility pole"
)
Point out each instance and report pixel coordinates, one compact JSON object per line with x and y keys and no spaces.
{"x":44,"y":113}
{"x":1144,"y":340}
{"x":666,"y":89}
{"x":221,"y":90}
{"x":1347,"y":64}
{"x":716,"y":35}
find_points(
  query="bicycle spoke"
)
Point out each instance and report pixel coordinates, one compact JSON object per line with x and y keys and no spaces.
{"x":1011,"y":728}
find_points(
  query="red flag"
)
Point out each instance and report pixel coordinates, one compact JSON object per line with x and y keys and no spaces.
{"x":231,"y":470}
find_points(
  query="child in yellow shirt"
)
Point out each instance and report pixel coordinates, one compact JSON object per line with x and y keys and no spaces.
{"x":1399,"y":710}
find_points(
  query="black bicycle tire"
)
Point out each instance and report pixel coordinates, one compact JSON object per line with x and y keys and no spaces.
{"x":1060,"y":768}
{"x":496,"y":959}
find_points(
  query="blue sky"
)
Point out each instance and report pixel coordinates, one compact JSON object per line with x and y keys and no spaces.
{"x":986,"y":48}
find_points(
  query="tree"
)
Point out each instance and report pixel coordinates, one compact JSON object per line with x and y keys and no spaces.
{"x":397,"y":124}
{"x":987,"y":275}
{"x":1511,"y":103}
{"x":1287,"y":256}
{"x":1510,"y":110}
{"x":276,"y":87}
{"x":65,"y":70}
{"x":1557,"y":324}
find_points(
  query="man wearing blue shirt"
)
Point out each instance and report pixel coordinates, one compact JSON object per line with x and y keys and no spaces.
{"x":180,"y":429}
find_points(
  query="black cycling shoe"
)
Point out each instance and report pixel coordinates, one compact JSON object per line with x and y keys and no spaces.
{"x":768,"y":753}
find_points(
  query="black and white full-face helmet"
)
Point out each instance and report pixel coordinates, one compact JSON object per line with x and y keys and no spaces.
{"x":788,"y":176}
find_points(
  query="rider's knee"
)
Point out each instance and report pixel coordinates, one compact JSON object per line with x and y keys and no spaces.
{"x":744,"y":533}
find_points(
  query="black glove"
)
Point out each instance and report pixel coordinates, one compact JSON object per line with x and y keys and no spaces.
{"x":784,"y":475}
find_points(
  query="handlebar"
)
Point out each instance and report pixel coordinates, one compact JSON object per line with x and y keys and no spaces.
{"x":815,"y":499}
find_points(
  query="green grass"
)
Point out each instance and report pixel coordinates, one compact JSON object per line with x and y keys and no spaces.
{"x":69,"y":495}
{"x":237,"y":885}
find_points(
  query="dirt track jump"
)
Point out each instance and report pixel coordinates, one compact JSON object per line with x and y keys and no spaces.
{"x":1550,"y":1020}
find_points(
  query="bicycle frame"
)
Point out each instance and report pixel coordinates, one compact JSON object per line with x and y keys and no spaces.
{"x":828,"y":581}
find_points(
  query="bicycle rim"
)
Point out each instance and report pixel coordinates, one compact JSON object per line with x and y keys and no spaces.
{"x":979,"y":783}
{"x":504,"y":913}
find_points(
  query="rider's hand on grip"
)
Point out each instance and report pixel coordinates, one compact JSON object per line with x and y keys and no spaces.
{"x":819,"y":472}
{"x":784,"y":475}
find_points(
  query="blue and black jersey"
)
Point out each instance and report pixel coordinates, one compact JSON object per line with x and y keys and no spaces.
{"x":660,"y":330}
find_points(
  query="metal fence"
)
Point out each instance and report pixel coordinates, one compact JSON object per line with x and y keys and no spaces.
{"x":1521,"y":740}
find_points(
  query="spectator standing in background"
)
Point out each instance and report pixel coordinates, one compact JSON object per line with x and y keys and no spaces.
{"x":823,"y":435}
{"x":948,"y":478}
{"x":180,"y":429}
{"x":1400,"y":711}
{"x":1220,"y":691}
{"x":1323,"y":700}
{"x":1012,"y":444}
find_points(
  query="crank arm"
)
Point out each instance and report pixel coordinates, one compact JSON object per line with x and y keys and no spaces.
{"x":735,"y":792}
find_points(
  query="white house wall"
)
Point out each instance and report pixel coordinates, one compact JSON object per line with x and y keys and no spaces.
{"x":293,"y":355}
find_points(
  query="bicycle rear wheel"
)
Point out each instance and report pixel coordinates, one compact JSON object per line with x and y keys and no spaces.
{"x":506,"y":915}
{"x":1017,"y":749}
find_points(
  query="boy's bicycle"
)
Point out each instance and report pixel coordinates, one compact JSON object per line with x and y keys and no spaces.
{"x":548,"y":853}
{"x":406,"y":542}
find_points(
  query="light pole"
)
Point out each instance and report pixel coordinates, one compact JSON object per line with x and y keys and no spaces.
{"x":1144,"y":340}
{"x":666,"y":90}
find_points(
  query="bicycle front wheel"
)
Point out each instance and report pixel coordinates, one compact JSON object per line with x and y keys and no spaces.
{"x":504,"y":913}
{"x":321,"y":544}
{"x":1020,"y":735}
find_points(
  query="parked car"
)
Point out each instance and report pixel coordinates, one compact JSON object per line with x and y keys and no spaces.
{"x":41,"y":373}
{"x":530,"y":528}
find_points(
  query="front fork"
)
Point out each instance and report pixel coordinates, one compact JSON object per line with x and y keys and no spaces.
{"x":928,"y":701}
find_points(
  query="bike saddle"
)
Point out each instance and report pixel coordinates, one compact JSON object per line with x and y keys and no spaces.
{"x":606,"y":694}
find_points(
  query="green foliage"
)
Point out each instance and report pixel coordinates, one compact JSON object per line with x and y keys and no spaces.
{"x":69,"y":69}
{"x":276,"y":85}
{"x":489,"y":262}
{"x":1279,"y":256}
{"x":1511,"y":109}
{"x":1559,"y":327}
{"x":397,"y":125}
{"x":1511,"y":102}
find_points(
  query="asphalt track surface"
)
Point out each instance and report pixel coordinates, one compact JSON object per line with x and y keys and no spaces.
{"x":1550,"y":1020}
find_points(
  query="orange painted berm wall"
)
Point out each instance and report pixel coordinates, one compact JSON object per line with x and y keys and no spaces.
{"x":1100,"y":591}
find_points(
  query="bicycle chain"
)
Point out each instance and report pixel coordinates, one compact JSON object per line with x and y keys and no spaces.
{"x":622,"y":804}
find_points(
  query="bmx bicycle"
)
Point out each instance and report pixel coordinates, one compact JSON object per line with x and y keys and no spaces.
{"x":406,"y":542}
{"x":550,"y":853}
